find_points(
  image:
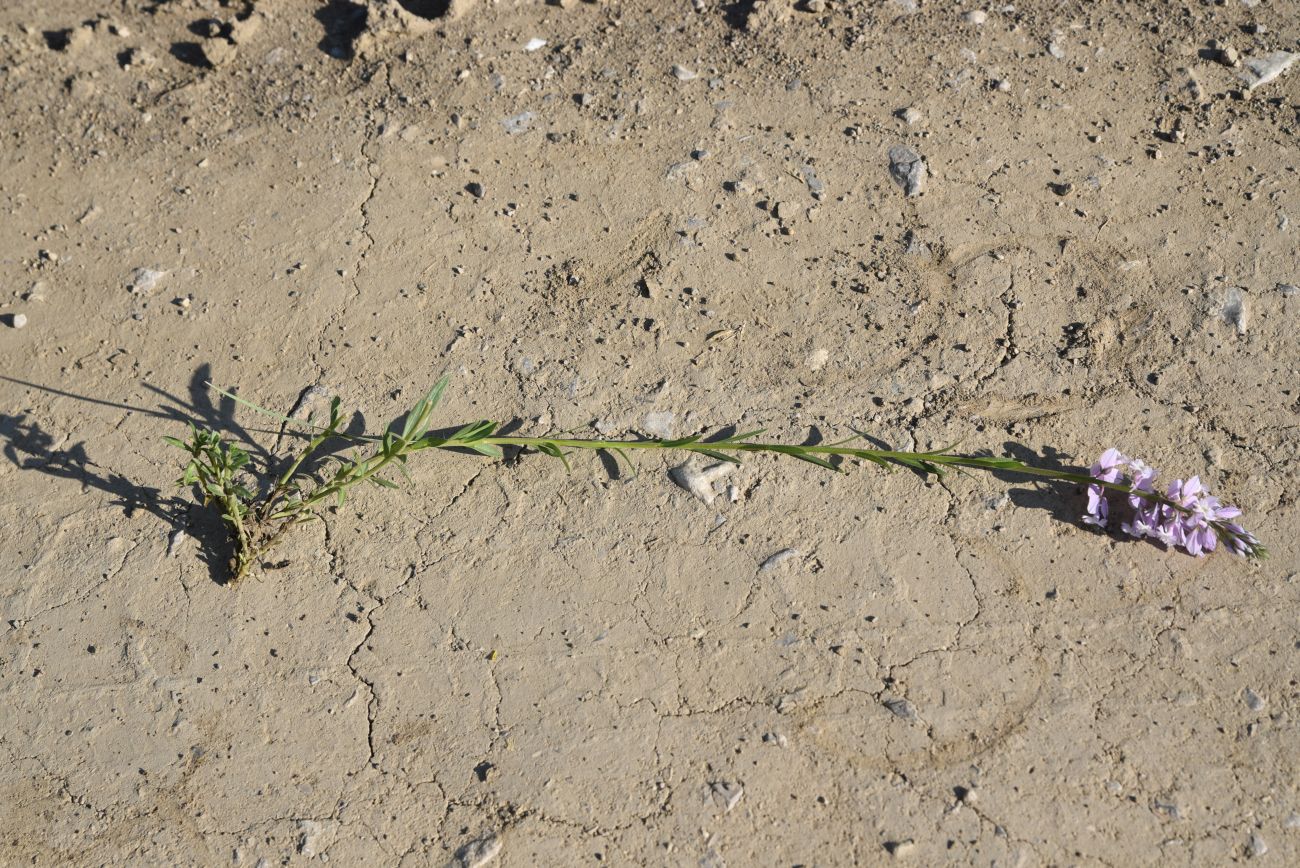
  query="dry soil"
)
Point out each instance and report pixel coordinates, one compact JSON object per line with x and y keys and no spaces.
{"x":668,"y":218}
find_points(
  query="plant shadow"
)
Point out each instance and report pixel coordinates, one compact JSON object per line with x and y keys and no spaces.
{"x":28,"y":446}
{"x":1061,"y":500}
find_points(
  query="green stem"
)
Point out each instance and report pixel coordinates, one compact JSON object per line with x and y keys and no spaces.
{"x":885,"y":456}
{"x":371,"y":466}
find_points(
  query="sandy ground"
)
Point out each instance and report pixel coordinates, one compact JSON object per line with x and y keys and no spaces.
{"x":665,"y":219}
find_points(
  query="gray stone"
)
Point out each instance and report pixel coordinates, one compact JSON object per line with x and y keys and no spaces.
{"x":908,"y":170}
{"x":776,"y":560}
{"x":479,"y":852}
{"x":1260,"y":71}
{"x":901,"y":708}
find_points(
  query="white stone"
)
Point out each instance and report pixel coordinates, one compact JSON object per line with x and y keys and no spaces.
{"x":699,"y":481}
{"x":1260,"y":71}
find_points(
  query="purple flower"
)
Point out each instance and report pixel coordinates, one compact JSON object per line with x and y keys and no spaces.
{"x":1187,"y":516}
{"x":1098,"y":509}
{"x":1109,"y":466}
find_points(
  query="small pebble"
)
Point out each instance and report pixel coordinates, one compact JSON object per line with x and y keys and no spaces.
{"x":777,"y":560}
{"x":1236,"y":310}
{"x":218,"y":52}
{"x":1253,"y":700}
{"x":534,"y":44}
{"x":475,"y":189}
{"x":174,"y":541}
{"x":901,"y":708}
{"x":659,"y":424}
{"x":478,"y":853}
{"x":1257,"y":846}
{"x":516,"y":124}
{"x":976,"y":17}
{"x":910,"y":115}
{"x":909,"y":170}
{"x":1260,"y":71}
{"x":79,"y":38}
{"x":242,"y":30}
{"x":19,"y":320}
{"x":1227,"y":55}
{"x":681,"y":73}
{"x":901,"y":849}
{"x":699,"y":482}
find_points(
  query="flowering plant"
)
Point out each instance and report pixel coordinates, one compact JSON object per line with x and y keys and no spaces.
{"x":1186,"y":515}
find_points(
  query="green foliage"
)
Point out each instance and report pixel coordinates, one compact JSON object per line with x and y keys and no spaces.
{"x":221,"y":473}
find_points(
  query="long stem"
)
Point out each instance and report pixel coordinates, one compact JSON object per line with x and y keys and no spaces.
{"x":880,"y":456}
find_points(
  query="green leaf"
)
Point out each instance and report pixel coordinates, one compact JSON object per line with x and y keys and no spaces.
{"x":489,"y":449}
{"x":179,"y":444}
{"x":406,"y":474}
{"x":435,"y":394}
{"x":384,"y":483}
{"x":813,"y":459}
{"x":554,"y":451}
{"x":474,"y":431}
{"x":417,"y":421}
{"x":718,"y":456}
{"x":622,"y":453}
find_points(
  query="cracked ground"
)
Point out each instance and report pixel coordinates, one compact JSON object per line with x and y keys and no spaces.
{"x":670,"y":218}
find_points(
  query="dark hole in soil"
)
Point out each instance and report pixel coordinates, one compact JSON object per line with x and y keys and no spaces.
{"x":426,"y":8}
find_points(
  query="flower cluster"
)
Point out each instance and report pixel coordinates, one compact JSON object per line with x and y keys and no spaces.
{"x":1186,"y":515}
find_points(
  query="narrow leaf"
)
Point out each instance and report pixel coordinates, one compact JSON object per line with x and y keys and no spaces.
{"x":718,"y":456}
{"x":813,"y":459}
